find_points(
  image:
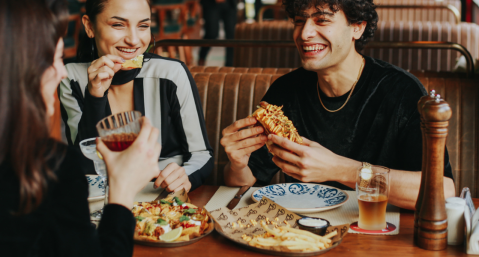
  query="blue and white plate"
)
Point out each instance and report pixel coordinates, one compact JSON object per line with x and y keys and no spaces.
{"x":303,"y":197}
{"x":96,"y":189}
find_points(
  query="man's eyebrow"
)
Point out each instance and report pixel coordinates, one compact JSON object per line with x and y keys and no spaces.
{"x":316,"y":14}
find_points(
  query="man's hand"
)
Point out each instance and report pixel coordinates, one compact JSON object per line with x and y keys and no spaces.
{"x":310,"y":162}
{"x":173,"y":178}
{"x":239,"y":142}
{"x":101,"y":72}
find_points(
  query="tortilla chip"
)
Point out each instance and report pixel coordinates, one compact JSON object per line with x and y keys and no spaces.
{"x":183,"y":238}
{"x":191,"y":232}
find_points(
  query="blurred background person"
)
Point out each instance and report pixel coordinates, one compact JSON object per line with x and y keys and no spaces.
{"x":213,"y":12}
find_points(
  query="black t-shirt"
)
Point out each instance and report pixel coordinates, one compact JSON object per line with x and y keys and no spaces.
{"x":61,"y":226}
{"x":380,"y":124}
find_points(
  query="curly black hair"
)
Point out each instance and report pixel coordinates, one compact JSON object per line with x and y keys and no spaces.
{"x":356,"y":11}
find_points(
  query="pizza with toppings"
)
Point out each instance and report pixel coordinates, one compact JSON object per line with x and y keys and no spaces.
{"x":169,"y":220}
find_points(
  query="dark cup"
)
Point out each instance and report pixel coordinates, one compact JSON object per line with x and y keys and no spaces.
{"x":316,"y":229}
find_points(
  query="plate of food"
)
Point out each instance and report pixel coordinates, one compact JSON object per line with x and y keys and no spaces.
{"x":269,"y":228}
{"x":303,"y":197}
{"x":170,"y":222}
{"x":96,"y":188}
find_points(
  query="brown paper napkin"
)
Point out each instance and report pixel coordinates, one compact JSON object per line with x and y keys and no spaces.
{"x":346,"y":214}
{"x":246,"y":220}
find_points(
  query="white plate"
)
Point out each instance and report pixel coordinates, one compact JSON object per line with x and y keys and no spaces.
{"x":303,"y":197}
{"x":96,"y":188}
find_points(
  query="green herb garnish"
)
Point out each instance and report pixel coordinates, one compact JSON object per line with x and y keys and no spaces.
{"x":184,"y":218}
{"x":162,"y":222}
{"x":190,"y":211}
{"x":178,"y":201}
{"x":165,"y":202}
{"x":139,"y":218}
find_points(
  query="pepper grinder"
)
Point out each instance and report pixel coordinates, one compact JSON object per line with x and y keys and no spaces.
{"x":420,"y":104}
{"x":432,"y":221}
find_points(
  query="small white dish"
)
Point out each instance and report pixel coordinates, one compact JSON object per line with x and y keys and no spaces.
{"x":96,"y":188}
{"x":303,"y":197}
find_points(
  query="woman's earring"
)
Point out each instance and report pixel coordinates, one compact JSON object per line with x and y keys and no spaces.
{"x":148,"y":50}
{"x":92,"y":49}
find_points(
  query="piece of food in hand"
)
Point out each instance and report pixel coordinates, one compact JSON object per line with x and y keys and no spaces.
{"x":273,"y":120}
{"x":136,"y":62}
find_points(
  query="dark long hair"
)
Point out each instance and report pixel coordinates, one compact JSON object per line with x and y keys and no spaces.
{"x":87,"y":51}
{"x":29,"y":33}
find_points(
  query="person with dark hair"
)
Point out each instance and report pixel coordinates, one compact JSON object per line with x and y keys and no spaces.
{"x":215,"y":11}
{"x":350,"y":109}
{"x":44,"y":209}
{"x":162,"y":90}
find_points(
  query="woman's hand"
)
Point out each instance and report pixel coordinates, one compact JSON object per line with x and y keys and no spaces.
{"x":101,"y":72}
{"x":130,"y":171}
{"x":173,"y":178}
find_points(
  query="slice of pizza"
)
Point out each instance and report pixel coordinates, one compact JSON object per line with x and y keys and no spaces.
{"x":273,"y":120}
{"x":136,"y":62}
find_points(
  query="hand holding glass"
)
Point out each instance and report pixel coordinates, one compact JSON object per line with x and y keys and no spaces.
{"x":118,"y":132}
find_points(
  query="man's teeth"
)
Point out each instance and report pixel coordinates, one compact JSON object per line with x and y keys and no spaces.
{"x":313,"y":48}
{"x":128,"y":50}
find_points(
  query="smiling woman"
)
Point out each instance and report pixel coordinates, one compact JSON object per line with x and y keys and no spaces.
{"x":162,"y":90}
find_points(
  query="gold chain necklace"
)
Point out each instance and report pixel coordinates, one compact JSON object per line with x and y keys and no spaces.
{"x":350,"y":93}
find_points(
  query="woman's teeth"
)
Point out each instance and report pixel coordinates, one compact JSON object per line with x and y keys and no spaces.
{"x":127,"y":50}
{"x":313,"y":48}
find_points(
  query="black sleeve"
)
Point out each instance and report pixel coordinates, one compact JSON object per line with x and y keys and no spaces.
{"x":94,"y":109}
{"x":116,"y":231}
{"x":410,"y":136}
{"x":72,"y":217}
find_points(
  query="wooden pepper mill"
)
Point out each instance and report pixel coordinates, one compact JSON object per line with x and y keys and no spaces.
{"x":420,"y":104}
{"x":432,"y":221}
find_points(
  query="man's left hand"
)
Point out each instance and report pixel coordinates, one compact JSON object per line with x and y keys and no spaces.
{"x":309,"y":162}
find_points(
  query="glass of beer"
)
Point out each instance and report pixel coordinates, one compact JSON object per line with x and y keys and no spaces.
{"x":118,"y":131}
{"x":372,"y":189}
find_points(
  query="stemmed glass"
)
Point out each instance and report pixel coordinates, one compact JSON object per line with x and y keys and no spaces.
{"x":88,"y":148}
{"x":117,"y":131}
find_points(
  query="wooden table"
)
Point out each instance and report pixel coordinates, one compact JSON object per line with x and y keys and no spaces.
{"x":352,"y":245}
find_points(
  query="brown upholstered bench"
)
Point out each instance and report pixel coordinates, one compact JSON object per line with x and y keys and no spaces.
{"x":466,"y":34}
{"x":228,"y":96}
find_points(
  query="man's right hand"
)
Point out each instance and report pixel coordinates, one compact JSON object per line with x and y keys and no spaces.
{"x":101,"y":72}
{"x":239,"y":142}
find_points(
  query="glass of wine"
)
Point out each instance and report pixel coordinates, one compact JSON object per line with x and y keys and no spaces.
{"x":117,"y":131}
{"x":372,"y":189}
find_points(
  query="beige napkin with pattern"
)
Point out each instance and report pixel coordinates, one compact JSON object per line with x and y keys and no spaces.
{"x":347,"y":213}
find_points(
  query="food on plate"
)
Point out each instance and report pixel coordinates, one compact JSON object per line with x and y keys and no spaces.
{"x":169,"y":220}
{"x":272,"y":119}
{"x":136,"y":62}
{"x":288,"y":239}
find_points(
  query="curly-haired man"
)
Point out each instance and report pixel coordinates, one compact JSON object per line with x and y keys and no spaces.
{"x":348,"y":107}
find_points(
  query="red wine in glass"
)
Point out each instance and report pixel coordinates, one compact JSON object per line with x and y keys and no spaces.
{"x":119,"y":142}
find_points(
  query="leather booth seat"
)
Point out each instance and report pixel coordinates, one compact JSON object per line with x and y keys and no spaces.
{"x":410,"y":14}
{"x":466,"y":34}
{"x":228,"y":96}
